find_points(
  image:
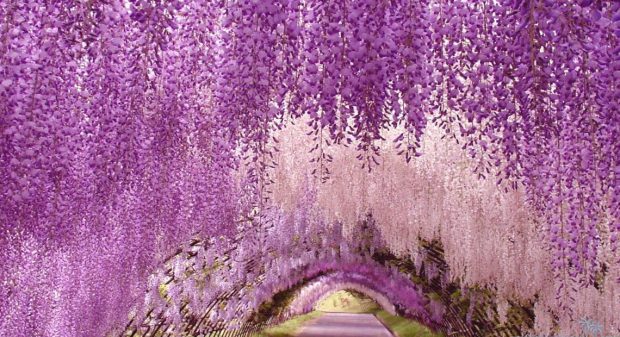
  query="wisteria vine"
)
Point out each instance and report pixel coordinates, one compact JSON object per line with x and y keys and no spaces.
{"x":125,"y":126}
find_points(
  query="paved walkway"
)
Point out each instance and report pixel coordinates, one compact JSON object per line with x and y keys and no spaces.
{"x":344,"y":325}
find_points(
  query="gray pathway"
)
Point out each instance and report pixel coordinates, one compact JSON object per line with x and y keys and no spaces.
{"x":344,"y":325}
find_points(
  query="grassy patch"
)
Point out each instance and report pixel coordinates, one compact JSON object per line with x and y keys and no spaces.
{"x":404,"y":327}
{"x":290,"y":327}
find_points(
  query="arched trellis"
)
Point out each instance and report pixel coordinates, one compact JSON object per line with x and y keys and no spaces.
{"x":239,"y":275}
{"x":370,"y":275}
{"x":225,"y":313}
{"x":204,"y":323}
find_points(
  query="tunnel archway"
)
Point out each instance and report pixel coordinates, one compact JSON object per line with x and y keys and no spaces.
{"x":216,"y":315}
{"x":223,"y":311}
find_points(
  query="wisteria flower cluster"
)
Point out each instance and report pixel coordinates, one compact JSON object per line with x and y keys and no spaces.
{"x":127,"y":128}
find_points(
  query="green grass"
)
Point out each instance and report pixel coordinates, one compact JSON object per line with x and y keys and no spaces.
{"x":290,"y":327}
{"x":404,"y":327}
